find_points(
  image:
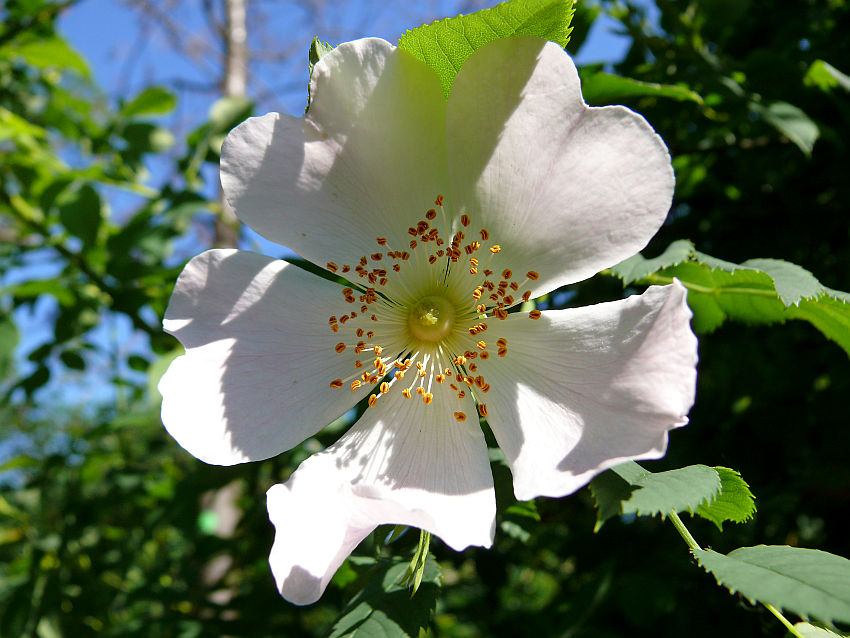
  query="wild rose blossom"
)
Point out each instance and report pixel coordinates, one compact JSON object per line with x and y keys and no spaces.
{"x":444,"y":217}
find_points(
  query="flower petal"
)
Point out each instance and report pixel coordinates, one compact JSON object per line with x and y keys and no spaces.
{"x":255,"y":379}
{"x":565,"y":189}
{"x":366,"y":161}
{"x":404,"y":463}
{"x":581,"y":390}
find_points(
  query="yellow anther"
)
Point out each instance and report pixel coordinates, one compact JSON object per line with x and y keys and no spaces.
{"x":495,"y":248}
{"x":486,"y":388}
{"x":385,"y":387}
{"x":481,"y":345}
{"x":502,"y":343}
{"x":534,"y":314}
{"x":461,"y":394}
{"x":460,"y":360}
{"x":373,"y":399}
{"x":460,"y":416}
{"x":336,"y":384}
{"x":440,"y":378}
{"x":340,"y":347}
{"x":469,"y":381}
{"x":473,"y":271}
{"x":480,"y":308}
{"x":482,"y":410}
{"x":406,"y":393}
{"x":420,"y":390}
{"x":427,"y":398}
{"x":355,"y":384}
{"x":378,"y":350}
{"x":358,"y":364}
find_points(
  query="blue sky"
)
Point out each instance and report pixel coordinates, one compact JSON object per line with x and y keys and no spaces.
{"x":127,"y":53}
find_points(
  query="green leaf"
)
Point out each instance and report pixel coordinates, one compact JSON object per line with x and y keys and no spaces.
{"x":602,"y":88}
{"x":826,"y":77}
{"x":52,"y":52}
{"x":227,"y":112}
{"x":808,"y":630}
{"x":758,"y":291}
{"x":445,"y":45}
{"x":318,"y":49}
{"x":638,"y":267}
{"x":734,"y":503}
{"x":631,"y":489}
{"x":9,"y":338}
{"x":808,"y":582}
{"x":80,"y":213}
{"x":152,"y":101}
{"x":384,"y":608}
{"x":791,"y":122}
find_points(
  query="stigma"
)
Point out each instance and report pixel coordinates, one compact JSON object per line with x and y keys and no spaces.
{"x":417,"y":314}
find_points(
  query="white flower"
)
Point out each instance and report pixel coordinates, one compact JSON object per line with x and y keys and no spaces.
{"x":442,"y":215}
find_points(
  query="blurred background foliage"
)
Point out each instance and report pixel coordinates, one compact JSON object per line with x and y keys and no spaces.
{"x":108,"y":528}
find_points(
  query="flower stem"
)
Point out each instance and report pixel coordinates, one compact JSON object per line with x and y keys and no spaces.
{"x":692,"y":543}
{"x":683,"y":531}
{"x":793,"y":630}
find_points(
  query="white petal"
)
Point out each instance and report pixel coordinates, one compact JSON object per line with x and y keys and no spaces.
{"x":565,"y":189}
{"x":366,"y":162}
{"x":584,"y":389}
{"x":403,"y":463}
{"x":255,"y":379}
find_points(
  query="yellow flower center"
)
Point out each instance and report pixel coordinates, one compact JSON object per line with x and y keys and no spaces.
{"x":431,"y":319}
{"x":421,"y":311}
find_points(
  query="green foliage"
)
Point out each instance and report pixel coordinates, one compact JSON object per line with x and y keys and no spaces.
{"x":385,"y":608}
{"x":792,"y":122}
{"x":826,"y":77}
{"x":154,"y":100}
{"x":734,"y":502}
{"x":717,"y":494}
{"x":808,"y":582}
{"x":600,"y":88}
{"x":105,"y":524}
{"x":808,"y":630}
{"x":446,"y":44}
{"x":756,"y":291}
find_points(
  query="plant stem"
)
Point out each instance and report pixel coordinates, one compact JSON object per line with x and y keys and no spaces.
{"x":683,"y":531}
{"x":773,"y":610}
{"x":692,"y":543}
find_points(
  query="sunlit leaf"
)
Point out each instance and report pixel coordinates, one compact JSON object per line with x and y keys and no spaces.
{"x":808,"y":582}
{"x":792,"y":122}
{"x":385,"y":609}
{"x":826,"y":77}
{"x":756,"y":291}
{"x":446,"y":44}
{"x":631,"y":489}
{"x":602,"y":88}
{"x":734,"y":503}
{"x":155,"y":100}
{"x":52,"y":52}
